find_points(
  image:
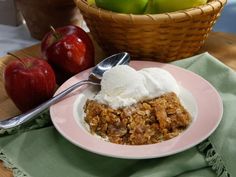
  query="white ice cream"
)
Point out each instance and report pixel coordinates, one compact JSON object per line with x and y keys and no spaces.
{"x":158,"y":82}
{"x":123,"y":86}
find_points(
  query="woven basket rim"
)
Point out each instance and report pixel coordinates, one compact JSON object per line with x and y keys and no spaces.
{"x":210,"y":7}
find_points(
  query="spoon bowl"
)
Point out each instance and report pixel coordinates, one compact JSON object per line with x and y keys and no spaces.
{"x":94,"y":78}
{"x":111,"y":61}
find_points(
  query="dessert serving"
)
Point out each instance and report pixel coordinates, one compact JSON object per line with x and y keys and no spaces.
{"x":137,"y":107}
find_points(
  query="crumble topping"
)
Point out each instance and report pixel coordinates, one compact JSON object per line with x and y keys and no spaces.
{"x":145,"y":122}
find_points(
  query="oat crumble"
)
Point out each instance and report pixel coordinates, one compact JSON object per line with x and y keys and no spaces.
{"x":146,"y":122}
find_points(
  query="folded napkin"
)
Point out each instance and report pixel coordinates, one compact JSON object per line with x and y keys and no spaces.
{"x":43,"y":152}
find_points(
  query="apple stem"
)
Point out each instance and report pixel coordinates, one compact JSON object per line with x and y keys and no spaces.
{"x":55,"y":34}
{"x":18,"y":58}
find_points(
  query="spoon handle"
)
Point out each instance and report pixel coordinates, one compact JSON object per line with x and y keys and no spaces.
{"x":31,"y":114}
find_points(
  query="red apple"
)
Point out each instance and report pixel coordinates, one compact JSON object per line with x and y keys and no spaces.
{"x":29,"y":82}
{"x":68,"y":49}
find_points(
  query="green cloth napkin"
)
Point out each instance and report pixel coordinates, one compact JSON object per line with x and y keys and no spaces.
{"x":43,"y":152}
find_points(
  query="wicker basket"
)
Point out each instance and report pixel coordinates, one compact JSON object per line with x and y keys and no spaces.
{"x":161,"y":37}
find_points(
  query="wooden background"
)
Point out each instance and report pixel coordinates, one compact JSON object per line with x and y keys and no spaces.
{"x":220,"y":45}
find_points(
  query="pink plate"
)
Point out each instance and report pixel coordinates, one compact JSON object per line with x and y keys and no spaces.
{"x":207,"y":110}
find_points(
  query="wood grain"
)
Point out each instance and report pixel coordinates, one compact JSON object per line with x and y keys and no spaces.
{"x":220,"y":45}
{"x":5,"y":172}
{"x":223,"y":47}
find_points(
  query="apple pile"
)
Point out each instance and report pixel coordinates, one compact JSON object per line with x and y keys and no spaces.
{"x":146,"y":6}
{"x":66,"y":51}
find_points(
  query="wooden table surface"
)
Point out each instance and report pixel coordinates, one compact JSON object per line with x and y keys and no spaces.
{"x":221,"y":45}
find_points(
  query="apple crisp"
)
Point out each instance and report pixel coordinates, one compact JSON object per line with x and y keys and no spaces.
{"x":146,"y":122}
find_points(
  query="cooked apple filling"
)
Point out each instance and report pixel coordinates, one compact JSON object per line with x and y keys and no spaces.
{"x":146,"y":122}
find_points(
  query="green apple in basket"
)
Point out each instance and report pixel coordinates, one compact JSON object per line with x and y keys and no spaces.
{"x":91,"y":2}
{"x":162,"y":6}
{"x":123,"y":6}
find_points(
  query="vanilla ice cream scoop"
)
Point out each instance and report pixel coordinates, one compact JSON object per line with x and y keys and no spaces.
{"x":158,"y":82}
{"x":123,"y":86}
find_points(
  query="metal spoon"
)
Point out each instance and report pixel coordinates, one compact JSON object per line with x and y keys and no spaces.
{"x":94,"y":78}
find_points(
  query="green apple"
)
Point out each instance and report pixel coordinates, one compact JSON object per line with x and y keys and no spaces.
{"x":91,"y":2}
{"x":123,"y":6}
{"x":162,"y":6}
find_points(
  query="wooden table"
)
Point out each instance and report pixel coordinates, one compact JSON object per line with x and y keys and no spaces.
{"x":220,"y":45}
